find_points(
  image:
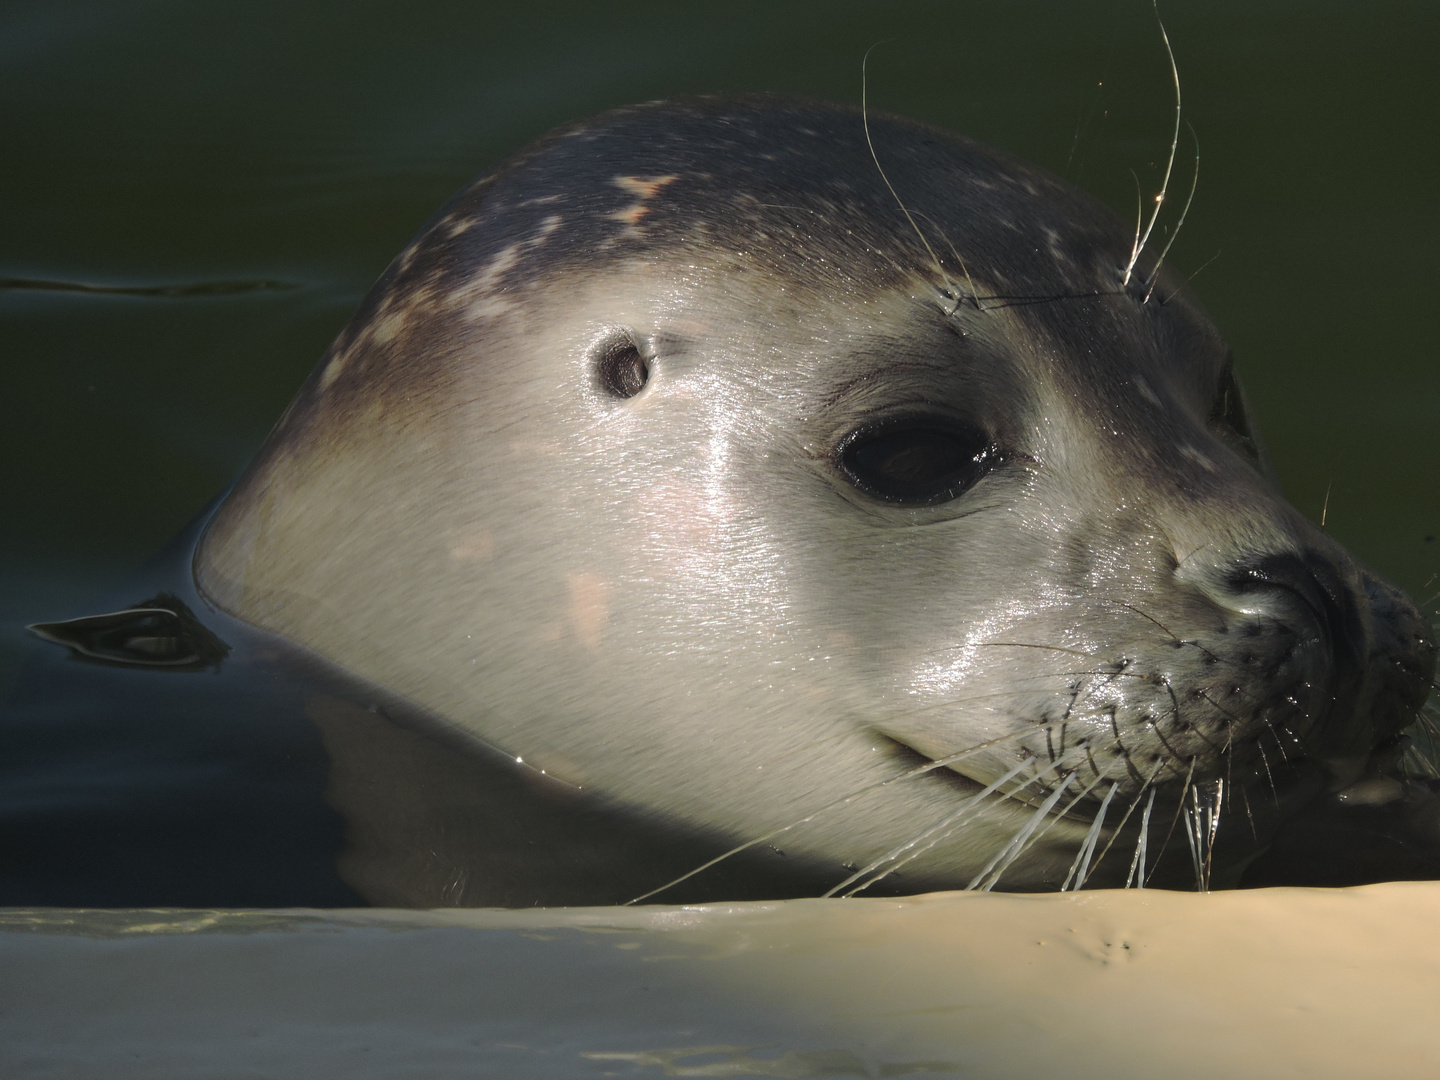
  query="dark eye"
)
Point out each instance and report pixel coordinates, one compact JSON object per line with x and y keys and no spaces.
{"x":623,"y":371}
{"x":917,"y":462}
{"x":1228,"y":414}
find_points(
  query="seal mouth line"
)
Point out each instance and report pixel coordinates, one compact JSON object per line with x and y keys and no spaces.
{"x":917,"y":763}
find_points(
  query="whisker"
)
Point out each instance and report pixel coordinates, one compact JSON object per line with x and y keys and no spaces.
{"x":1161,"y":763}
{"x":992,"y":695}
{"x":1188,"y":279}
{"x":1215,"y":811}
{"x":1139,"y":224}
{"x":1274,"y":788}
{"x":1054,"y":820}
{"x":974,"y":292}
{"x":835,"y":804}
{"x":1046,"y":648}
{"x":1170,"y":164}
{"x":1421,"y":760}
{"x":1013,"y":847}
{"x":865,"y":122}
{"x":1235,"y":719}
{"x":1025,"y":846}
{"x":1138,"y":862}
{"x":1190,"y":834}
{"x":1125,"y":605}
{"x":1150,"y":618}
{"x":1194,"y":183}
{"x":1080,"y":868}
{"x":951,"y":818}
{"x":1279,"y":743}
{"x":1250,"y":817}
{"x":1179,"y":808}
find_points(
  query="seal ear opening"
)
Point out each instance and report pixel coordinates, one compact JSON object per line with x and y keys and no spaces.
{"x":1231,"y":419}
{"x":622,"y":370}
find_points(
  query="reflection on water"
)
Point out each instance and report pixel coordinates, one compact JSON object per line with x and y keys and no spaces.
{"x":198,"y":288}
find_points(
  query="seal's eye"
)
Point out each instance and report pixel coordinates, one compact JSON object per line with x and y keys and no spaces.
{"x":917,"y":462}
{"x":623,"y":371}
{"x":1228,"y":414}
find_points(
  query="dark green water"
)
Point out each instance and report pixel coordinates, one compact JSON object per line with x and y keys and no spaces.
{"x":238,"y":173}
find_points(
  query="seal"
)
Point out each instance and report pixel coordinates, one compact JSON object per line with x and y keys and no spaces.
{"x":822,"y":485}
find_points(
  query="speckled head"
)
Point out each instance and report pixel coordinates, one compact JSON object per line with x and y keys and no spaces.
{"x":676,"y":458}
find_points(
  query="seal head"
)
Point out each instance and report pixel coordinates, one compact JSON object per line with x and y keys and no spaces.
{"x":682,"y":461}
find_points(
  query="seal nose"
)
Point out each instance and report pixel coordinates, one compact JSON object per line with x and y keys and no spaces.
{"x":1309,"y":593}
{"x":1402,"y":652}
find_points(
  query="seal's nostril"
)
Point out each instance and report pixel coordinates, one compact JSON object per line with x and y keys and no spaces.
{"x":1308,"y":593}
{"x":1309,"y":586}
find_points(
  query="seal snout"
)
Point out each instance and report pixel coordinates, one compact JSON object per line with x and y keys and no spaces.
{"x":1360,"y":648}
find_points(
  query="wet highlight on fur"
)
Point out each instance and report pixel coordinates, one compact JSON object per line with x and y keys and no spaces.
{"x":1199,"y":805}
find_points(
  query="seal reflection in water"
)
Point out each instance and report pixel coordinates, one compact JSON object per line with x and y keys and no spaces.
{"x":675,"y":460}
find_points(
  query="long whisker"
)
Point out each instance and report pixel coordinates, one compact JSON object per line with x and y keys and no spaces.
{"x":1217,"y":809}
{"x":1194,"y":183}
{"x":951,"y":818}
{"x":1127,"y":606}
{"x":1160,"y":764}
{"x":974,"y":292}
{"x":1045,"y":648}
{"x":865,"y":122}
{"x":1274,"y":734}
{"x":991,"y":695}
{"x":1018,"y":840}
{"x":1202,"y":823}
{"x":1080,"y":868}
{"x":1274,"y":788}
{"x":1170,"y":164}
{"x":1139,"y":225}
{"x":1138,"y":862}
{"x":934,"y":837}
{"x":1150,"y":618}
{"x":1189,"y":278}
{"x":995,"y":695}
{"x":1179,"y":809}
{"x":1194,"y":852}
{"x":844,"y":800}
{"x":1080,"y":795}
{"x":1423,"y":760}
{"x":1054,"y":820}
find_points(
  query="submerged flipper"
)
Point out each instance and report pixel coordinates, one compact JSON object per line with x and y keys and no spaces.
{"x":158,"y":633}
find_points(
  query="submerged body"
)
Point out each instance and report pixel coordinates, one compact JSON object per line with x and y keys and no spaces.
{"x":922,"y":545}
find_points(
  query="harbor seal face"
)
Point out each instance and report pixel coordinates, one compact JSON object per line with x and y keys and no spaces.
{"x":921,"y":531}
